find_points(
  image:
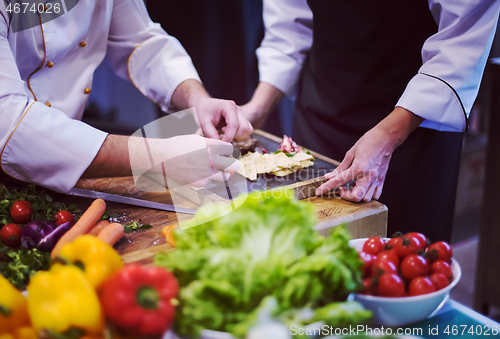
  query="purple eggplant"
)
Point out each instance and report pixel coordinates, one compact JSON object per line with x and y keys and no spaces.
{"x":34,"y":231}
{"x":50,"y":240}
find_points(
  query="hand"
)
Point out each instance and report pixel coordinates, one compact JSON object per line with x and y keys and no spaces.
{"x":186,"y":159}
{"x":263,"y":101}
{"x":368,"y":160}
{"x":210,"y":112}
{"x":366,"y":163}
{"x":210,"y":116}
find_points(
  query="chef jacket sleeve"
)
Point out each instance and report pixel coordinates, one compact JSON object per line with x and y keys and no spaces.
{"x":142,"y":52}
{"x":454,"y":58}
{"x":39,"y":144}
{"x":287,"y":40}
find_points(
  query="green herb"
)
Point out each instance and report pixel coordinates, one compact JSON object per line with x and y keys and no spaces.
{"x":230,"y":265}
{"x":107,"y":216}
{"x":18,"y":265}
{"x":134,"y":226}
{"x":43,"y":205}
{"x":290,"y":155}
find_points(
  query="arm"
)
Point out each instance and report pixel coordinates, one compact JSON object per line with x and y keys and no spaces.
{"x":454,"y":61}
{"x":37,"y":143}
{"x":287,"y":41}
{"x":156,"y":63}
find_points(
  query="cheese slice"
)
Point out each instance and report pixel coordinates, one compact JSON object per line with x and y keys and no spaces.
{"x":278,"y":164}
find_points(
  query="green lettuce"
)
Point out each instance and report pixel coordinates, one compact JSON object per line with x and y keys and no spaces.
{"x":265,"y":252}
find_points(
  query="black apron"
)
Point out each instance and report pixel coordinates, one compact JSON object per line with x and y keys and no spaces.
{"x":363,"y":55}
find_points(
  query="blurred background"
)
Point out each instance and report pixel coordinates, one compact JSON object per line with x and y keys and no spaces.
{"x":221,"y":37}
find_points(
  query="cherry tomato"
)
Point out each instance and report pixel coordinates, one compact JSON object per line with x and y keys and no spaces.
{"x":439,"y":251}
{"x":367,"y":262}
{"x":11,"y":235}
{"x":390,"y":285}
{"x":407,"y":245}
{"x":421,"y":285}
{"x":368,"y":287}
{"x":422,"y":238}
{"x":414,"y":266}
{"x":389,"y":255}
{"x":374,"y":245}
{"x":443,"y":267}
{"x":392,"y":243}
{"x":64,"y":216}
{"x":439,"y":280}
{"x":21,"y":211}
{"x":382,"y":266}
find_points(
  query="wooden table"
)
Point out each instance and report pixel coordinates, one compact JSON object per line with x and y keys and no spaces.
{"x":363,"y":219}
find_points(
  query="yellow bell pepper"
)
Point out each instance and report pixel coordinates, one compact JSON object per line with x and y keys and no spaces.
{"x":26,"y":332}
{"x":98,"y":259}
{"x":62,"y":299}
{"x":13,"y":307}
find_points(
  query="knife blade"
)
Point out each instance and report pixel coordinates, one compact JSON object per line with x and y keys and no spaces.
{"x":129,"y":201}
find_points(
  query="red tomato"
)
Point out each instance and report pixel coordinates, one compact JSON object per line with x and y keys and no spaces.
{"x":64,"y":216}
{"x":414,"y":266}
{"x":368,"y":262}
{"x":391,"y":243}
{"x":421,"y":285}
{"x":380,"y":267}
{"x":11,"y":235}
{"x":407,"y":245}
{"x":422,"y":238}
{"x":443,"y":267}
{"x":374,"y":245}
{"x":439,"y":251}
{"x":390,"y":285}
{"x":21,"y":211}
{"x":368,"y":287}
{"x":439,"y":280}
{"x":389,"y":255}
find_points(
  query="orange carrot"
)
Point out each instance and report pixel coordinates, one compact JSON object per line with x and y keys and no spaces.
{"x":98,"y":227}
{"x":82,"y":226}
{"x":112,"y":233}
{"x":165,"y":230}
{"x":170,"y":236}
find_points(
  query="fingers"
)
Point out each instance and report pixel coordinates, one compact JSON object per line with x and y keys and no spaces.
{"x":345,"y":164}
{"x":230,"y":114}
{"x":245,"y":128}
{"x":378,"y":191}
{"x":219,"y":147}
{"x":208,"y":128}
{"x":225,"y":164}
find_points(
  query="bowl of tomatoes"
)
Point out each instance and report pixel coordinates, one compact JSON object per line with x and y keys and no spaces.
{"x":405,"y":279}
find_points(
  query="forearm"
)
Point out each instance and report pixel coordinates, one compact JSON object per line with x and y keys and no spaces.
{"x":264,"y":100}
{"x":112,"y":160}
{"x":398,"y":125}
{"x":188,"y":94}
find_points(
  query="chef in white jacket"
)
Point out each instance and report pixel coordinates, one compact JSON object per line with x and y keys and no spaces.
{"x":384,"y":85}
{"x":46,"y":72}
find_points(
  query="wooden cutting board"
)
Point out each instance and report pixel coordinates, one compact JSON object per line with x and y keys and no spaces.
{"x":362,"y":219}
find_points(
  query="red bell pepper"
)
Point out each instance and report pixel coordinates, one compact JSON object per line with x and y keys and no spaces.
{"x":140,"y":300}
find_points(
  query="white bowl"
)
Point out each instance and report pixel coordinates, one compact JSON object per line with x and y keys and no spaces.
{"x":404,"y":310}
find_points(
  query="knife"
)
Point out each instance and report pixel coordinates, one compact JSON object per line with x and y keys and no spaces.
{"x":129,"y":201}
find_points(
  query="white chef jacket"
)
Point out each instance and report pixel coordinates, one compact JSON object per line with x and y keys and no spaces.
{"x":455,"y":56}
{"x":46,"y":75}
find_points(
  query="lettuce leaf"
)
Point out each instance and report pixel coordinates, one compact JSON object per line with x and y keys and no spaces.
{"x":266,"y":249}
